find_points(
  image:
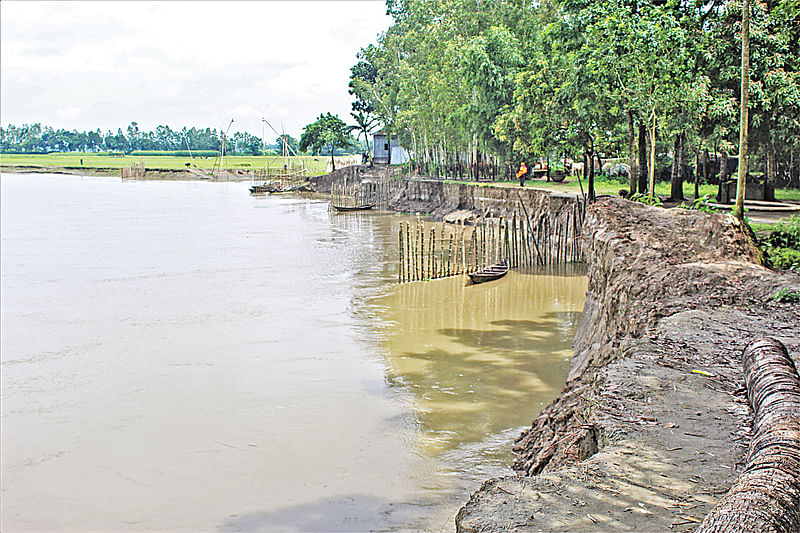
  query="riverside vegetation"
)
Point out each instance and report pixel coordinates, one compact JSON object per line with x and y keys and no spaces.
{"x":473,"y":88}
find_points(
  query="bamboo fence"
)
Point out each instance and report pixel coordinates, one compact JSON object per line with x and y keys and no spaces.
{"x":432,"y":251}
{"x":375,"y":193}
{"x":135,"y":170}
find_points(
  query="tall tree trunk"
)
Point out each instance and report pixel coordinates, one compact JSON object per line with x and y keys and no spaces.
{"x":697,"y":173}
{"x":738,"y":209}
{"x":642,"y":166}
{"x":651,"y":187}
{"x":770,"y":176}
{"x":588,"y":168}
{"x":723,"y":174}
{"x":548,"y":168}
{"x":676,"y":179}
{"x":705,"y":166}
{"x":475,"y":155}
{"x":631,"y":153}
{"x":766,"y":496}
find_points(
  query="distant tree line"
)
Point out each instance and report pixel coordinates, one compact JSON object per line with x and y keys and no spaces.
{"x":40,"y":139}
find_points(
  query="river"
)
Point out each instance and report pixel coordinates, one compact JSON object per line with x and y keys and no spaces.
{"x":181,"y":356}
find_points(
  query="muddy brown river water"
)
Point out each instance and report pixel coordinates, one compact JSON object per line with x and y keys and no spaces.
{"x":181,"y":356}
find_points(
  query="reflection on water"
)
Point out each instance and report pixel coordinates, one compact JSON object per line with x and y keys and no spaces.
{"x":479,"y":358}
{"x":182,"y":356}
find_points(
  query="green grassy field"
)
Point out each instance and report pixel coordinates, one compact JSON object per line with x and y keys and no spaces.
{"x":316,"y":164}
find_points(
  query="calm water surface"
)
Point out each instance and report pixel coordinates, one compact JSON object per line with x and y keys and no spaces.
{"x":182,"y":356}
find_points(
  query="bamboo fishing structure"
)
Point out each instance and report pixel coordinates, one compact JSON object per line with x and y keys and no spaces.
{"x":376,"y":192}
{"x":135,"y":170}
{"x":430,"y":251}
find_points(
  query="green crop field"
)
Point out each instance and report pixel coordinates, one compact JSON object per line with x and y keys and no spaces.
{"x":315,"y":164}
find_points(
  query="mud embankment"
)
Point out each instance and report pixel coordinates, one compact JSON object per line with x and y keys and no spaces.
{"x":652,"y":427}
{"x":439,"y":198}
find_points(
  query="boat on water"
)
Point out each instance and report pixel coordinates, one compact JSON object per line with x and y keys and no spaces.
{"x":277,"y":187}
{"x":490,"y":273}
{"x":265,"y":188}
{"x":353,"y":208}
{"x":287,"y":178}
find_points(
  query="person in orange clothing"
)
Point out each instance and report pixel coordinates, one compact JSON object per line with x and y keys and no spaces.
{"x":523,"y":170}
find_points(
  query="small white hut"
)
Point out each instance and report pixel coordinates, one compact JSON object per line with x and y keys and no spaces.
{"x":388,"y":151}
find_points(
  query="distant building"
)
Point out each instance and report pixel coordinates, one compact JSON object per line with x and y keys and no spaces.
{"x":384,"y":148}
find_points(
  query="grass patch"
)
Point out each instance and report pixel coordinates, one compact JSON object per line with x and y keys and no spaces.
{"x":792,"y":195}
{"x":786,"y":295}
{"x":780,"y":243}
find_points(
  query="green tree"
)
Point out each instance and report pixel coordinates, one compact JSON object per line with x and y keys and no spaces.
{"x":329,"y":132}
{"x":364,"y":126}
{"x":292,"y":145}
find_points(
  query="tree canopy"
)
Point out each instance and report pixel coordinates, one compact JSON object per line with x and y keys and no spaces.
{"x":328,"y":132}
{"x":36,"y":138}
{"x":496,"y":82}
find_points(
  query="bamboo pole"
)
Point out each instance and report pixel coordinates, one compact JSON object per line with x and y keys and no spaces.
{"x":473,"y":247}
{"x":409,"y":264}
{"x":431,"y":257}
{"x":421,"y":250}
{"x":532,"y":235}
{"x":450,"y":256}
{"x":400,"y":248}
{"x":514,"y":257}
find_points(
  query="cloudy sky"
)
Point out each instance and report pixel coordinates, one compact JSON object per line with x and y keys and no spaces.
{"x":88,"y":65}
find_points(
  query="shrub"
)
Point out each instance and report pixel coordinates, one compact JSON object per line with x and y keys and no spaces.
{"x":784,"y":258}
{"x":786,"y":234}
{"x":648,"y":200}
{"x":786,"y":295}
{"x":700,"y":204}
{"x":782,"y":246}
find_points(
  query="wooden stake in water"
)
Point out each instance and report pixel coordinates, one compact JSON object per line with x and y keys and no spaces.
{"x":400,"y":248}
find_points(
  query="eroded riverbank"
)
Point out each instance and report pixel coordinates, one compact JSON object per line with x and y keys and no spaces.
{"x":653,"y":424}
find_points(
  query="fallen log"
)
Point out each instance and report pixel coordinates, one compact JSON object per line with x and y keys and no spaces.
{"x":766,"y":496}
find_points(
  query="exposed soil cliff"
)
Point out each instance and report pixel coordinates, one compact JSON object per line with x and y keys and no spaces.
{"x":652,"y":426}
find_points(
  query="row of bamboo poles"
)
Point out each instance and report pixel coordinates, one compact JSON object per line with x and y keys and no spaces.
{"x":375,"y":193}
{"x":135,"y":170}
{"x":428,"y":252}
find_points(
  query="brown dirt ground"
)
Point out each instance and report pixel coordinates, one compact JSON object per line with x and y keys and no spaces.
{"x":653,"y":426}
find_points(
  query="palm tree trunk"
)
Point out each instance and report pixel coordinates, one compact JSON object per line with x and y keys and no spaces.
{"x":766,"y":496}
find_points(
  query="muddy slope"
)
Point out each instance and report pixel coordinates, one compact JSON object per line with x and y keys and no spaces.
{"x":653,"y":424}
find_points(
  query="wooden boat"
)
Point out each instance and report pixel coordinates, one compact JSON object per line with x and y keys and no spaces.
{"x":354,"y":208}
{"x":490,"y":273}
{"x":275,"y":188}
{"x":262,"y":189}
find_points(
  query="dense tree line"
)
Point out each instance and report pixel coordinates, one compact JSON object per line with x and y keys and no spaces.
{"x":36,"y":138}
{"x":480,"y":85}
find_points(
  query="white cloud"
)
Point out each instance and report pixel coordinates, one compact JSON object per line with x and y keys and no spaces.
{"x":85,"y":65}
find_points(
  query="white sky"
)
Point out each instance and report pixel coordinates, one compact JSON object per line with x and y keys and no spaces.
{"x":88,"y":65}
